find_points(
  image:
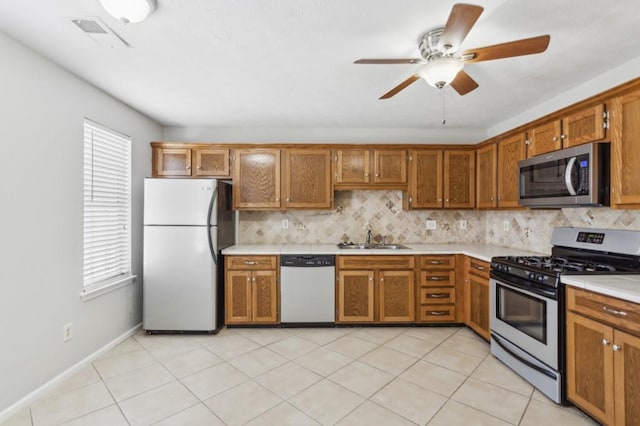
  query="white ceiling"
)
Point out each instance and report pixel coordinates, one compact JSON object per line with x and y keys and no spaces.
{"x":288,"y":63}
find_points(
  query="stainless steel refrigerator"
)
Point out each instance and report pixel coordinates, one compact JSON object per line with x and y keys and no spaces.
{"x":187,"y":222}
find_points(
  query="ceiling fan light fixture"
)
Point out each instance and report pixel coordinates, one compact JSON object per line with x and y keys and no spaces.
{"x":441,"y":71}
{"x":129,"y":11}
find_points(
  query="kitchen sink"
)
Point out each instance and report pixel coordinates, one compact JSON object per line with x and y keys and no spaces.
{"x":362,"y":246}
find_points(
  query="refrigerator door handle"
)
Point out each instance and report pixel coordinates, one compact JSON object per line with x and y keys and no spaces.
{"x":213,"y":253}
{"x":214,"y":197}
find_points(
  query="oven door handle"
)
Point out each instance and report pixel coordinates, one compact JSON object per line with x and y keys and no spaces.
{"x":567,"y":176}
{"x":522,"y":360}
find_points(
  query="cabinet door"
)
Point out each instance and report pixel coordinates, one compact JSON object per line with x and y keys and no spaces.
{"x":459,"y":179}
{"x":425,"y":186}
{"x":352,"y":166}
{"x":238,"y":297}
{"x":307,"y":180}
{"x":544,"y":138}
{"x":486,"y":175}
{"x":477,"y":305}
{"x":256,"y":179}
{"x":583,"y":126}
{"x":355,"y":296}
{"x":211,"y":162}
{"x":590,"y":366}
{"x":390,"y":166}
{"x":510,"y":151}
{"x":627,"y":378}
{"x":625,"y":150}
{"x":173,"y":162}
{"x":396,"y":296}
{"x":265,"y":297}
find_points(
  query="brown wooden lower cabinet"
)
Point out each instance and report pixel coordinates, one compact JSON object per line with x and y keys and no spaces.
{"x":477,"y":296}
{"x":251,"y":290}
{"x":436,"y":289}
{"x":603,"y":360}
{"x":375,"y":289}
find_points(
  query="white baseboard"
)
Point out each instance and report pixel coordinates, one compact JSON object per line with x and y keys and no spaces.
{"x":29,"y":398}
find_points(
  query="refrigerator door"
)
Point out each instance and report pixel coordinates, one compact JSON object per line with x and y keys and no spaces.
{"x":179,"y":279}
{"x":179,"y":201}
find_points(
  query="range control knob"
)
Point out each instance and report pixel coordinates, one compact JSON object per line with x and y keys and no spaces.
{"x":540,"y":278}
{"x":531,"y":275}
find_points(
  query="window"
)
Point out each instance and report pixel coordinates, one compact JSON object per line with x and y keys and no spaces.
{"x":107,"y":209}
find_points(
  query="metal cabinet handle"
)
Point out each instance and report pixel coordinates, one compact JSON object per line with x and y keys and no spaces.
{"x":605,"y":342}
{"x":555,"y":138}
{"x":614,"y":311}
{"x":288,"y":199}
{"x":616,"y":348}
{"x":438,"y":313}
{"x":188,"y":167}
{"x":254,"y":279}
{"x":381,"y":279}
{"x":436,"y":295}
{"x":436,"y":278}
{"x":250,"y":262}
{"x":563,"y":136}
{"x":436,"y":262}
{"x":478,"y":267}
{"x":366,"y":175}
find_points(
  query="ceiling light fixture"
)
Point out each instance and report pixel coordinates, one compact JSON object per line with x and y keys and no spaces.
{"x":441,"y":71}
{"x":129,"y":10}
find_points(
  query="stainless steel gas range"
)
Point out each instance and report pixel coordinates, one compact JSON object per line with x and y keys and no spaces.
{"x":527,"y":299}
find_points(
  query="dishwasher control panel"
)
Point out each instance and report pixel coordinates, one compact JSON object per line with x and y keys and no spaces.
{"x":309,"y":261}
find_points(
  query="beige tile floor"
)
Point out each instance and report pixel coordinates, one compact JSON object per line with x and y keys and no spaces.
{"x":272,"y":376}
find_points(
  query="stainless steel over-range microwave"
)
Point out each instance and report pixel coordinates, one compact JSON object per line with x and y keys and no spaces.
{"x":571,"y":177}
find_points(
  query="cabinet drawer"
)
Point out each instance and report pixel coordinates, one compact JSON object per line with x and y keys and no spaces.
{"x":438,"y":262}
{"x":437,"y":295}
{"x":438,"y":313}
{"x":479,"y":267}
{"x":437,"y":278}
{"x":376,"y":262}
{"x":251,"y":262}
{"x":615,"y":312}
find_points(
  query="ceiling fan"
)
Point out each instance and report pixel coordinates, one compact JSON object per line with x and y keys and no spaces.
{"x":439,"y":51}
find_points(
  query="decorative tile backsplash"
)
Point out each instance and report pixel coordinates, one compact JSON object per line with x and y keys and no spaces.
{"x":382,"y":212}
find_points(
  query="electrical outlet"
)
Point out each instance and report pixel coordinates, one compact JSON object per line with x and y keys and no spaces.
{"x":431,"y":224}
{"x":285,"y":223}
{"x":67,"y":332}
{"x":463,"y":224}
{"x":506,"y":225}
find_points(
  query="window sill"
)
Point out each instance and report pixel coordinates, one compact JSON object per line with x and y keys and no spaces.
{"x":92,"y":293}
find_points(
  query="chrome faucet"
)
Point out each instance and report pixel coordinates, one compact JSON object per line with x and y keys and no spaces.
{"x":368,"y":240}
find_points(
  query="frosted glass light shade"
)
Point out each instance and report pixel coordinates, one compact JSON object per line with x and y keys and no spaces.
{"x":441,"y":71}
{"x":129,"y":10}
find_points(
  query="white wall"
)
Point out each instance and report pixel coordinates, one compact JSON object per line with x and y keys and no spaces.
{"x":41,"y":136}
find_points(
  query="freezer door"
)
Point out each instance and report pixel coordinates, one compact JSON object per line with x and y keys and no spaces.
{"x":179,"y":281}
{"x":178,"y":201}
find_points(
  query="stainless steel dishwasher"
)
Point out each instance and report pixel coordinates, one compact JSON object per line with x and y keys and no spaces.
{"x":307,"y":290}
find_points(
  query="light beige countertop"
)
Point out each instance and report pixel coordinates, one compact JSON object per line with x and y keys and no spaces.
{"x":480,"y":251}
{"x":626,"y":287}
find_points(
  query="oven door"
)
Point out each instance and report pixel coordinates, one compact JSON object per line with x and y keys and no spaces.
{"x":526,"y":319}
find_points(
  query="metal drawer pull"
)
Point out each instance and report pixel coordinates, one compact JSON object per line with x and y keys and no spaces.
{"x":435,"y":278}
{"x":436,"y":295}
{"x":436,"y":262}
{"x":605,"y":342}
{"x":616,"y":348}
{"x":614,"y":312}
{"x":438,"y":313}
{"x":479,"y":267}
{"x":250,"y":262}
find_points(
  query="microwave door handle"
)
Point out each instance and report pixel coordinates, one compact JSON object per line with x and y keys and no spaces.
{"x":567,"y":175}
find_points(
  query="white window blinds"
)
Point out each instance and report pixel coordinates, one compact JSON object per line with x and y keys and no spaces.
{"x":107,"y":206}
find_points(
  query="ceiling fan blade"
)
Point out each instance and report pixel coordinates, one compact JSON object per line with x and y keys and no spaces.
{"x":463,"y":83}
{"x":390,"y":61}
{"x":527,"y":46}
{"x":461,"y":19}
{"x":400,"y":87}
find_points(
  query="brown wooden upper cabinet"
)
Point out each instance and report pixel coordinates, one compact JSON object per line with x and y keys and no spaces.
{"x":583,"y":126}
{"x":256,"y":179}
{"x":363,"y":168}
{"x":307,"y":179}
{"x":510,"y":150}
{"x":487,"y":176}
{"x":441,"y":179}
{"x":625,"y":151}
{"x":190,"y":162}
{"x":304,"y":176}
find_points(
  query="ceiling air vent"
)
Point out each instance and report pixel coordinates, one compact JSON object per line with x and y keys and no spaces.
{"x":98,"y":31}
